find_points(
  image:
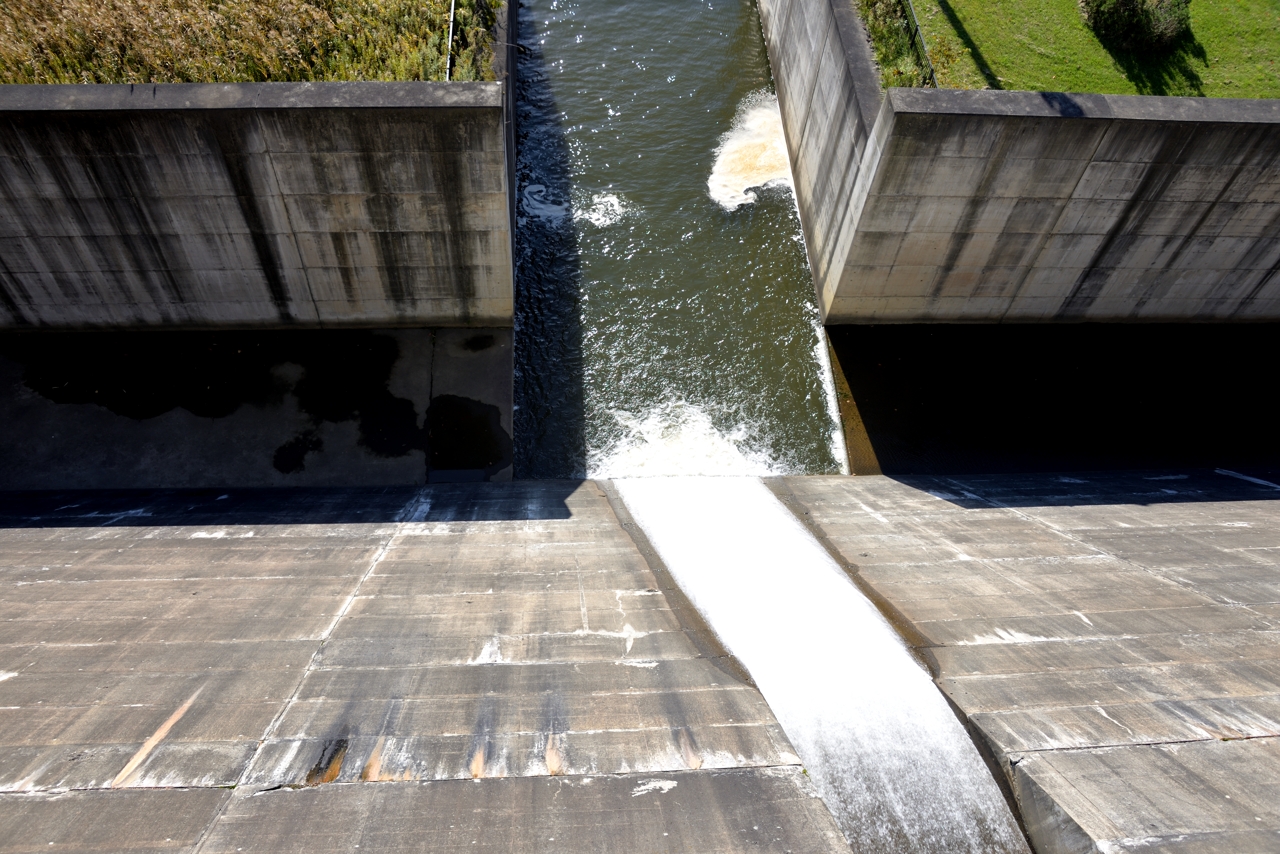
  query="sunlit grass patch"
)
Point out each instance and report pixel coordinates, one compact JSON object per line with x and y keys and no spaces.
{"x":1231,"y":50}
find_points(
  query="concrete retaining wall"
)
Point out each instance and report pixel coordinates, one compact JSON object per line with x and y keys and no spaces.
{"x":1021,"y":206}
{"x":829,"y":94}
{"x":255,"y":205}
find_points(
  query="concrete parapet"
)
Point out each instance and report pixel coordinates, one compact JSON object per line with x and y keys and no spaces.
{"x":1022,"y":206}
{"x":255,"y":205}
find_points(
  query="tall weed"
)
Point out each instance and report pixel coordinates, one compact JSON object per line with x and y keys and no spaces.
{"x":887,"y":27}
{"x":172,"y":41}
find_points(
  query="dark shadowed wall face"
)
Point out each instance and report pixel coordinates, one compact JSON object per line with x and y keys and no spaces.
{"x":348,"y":408}
{"x":950,"y":399}
{"x":373,"y":204}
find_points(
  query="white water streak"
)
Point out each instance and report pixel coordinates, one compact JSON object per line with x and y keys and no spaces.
{"x":839,"y":449}
{"x":890,"y":759}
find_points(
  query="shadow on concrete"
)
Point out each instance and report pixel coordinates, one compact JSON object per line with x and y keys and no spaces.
{"x":549,"y":418}
{"x":212,"y":508}
{"x":181,"y":408}
{"x":1142,"y":488}
{"x":951,"y":399}
{"x":1174,"y":70}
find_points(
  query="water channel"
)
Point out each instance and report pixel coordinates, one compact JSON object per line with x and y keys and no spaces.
{"x":666,"y":321}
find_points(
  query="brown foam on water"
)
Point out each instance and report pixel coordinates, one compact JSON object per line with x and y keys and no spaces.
{"x":752,"y":154}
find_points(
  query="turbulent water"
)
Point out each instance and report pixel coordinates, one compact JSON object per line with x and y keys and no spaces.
{"x":888,"y":756}
{"x":665,"y":317}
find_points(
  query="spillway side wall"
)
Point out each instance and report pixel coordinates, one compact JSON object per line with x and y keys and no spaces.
{"x":255,"y":205}
{"x":1023,"y":206}
{"x":829,"y":94}
{"x":932,"y":205}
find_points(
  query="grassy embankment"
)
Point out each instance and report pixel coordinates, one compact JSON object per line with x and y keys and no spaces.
{"x":174,"y":41}
{"x":1232,"y":49}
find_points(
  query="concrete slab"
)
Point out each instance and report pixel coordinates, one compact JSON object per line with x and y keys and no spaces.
{"x":766,"y":810}
{"x":1111,"y":639}
{"x":157,"y":820}
{"x":371,"y":667}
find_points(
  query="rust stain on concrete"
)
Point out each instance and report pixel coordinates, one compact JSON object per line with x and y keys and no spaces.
{"x":129,"y":771}
{"x":329,"y":766}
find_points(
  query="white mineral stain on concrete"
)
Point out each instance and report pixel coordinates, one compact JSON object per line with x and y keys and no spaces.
{"x":648,"y":786}
{"x":1007,"y":636}
{"x":883,"y":748}
{"x":490,"y":653}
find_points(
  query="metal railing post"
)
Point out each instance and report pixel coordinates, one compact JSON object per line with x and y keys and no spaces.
{"x":448,"y":47}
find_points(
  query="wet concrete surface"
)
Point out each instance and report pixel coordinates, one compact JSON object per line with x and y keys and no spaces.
{"x":1111,"y":639}
{"x":488,"y":667}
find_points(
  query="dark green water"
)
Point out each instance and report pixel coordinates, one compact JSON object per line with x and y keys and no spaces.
{"x":657,"y":332}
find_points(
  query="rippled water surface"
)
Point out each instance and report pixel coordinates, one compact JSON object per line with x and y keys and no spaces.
{"x":666,"y":321}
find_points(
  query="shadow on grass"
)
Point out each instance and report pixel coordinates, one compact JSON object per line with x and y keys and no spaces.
{"x":1171,"y":71}
{"x":984,"y":67}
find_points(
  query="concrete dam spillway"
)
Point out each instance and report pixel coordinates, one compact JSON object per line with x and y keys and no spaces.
{"x":700,"y":354}
{"x":676,"y":625}
{"x":887,"y":755}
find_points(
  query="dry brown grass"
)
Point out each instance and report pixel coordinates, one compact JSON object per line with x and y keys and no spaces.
{"x":170,"y":41}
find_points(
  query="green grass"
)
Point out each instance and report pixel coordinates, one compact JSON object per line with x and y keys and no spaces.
{"x":886,"y":23}
{"x":1232,"y":50}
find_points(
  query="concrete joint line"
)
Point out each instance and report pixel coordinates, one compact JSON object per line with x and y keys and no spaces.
{"x":1101,"y":748}
{"x":1034,"y":261}
{"x":288,"y":218}
{"x":414,"y":510}
{"x":1049,"y":526}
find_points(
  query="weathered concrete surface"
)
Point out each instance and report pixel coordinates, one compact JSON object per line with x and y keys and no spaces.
{"x":412,"y":667}
{"x":1022,"y":206}
{"x":254,"y":408}
{"x":1113,"y":639}
{"x":927,"y":205}
{"x":273,"y":204}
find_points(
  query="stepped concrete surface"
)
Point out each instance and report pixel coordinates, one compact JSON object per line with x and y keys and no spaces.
{"x":469,"y":667}
{"x":1112,"y":639}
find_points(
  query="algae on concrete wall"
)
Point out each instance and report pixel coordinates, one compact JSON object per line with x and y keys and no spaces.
{"x":196,"y":41}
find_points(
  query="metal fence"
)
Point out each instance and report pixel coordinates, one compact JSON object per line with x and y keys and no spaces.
{"x":917,"y":43}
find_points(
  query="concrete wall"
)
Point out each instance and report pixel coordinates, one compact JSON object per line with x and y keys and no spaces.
{"x":1032,"y":207}
{"x":1021,"y":206}
{"x":829,"y":94}
{"x":255,"y":205}
{"x":251,"y":408}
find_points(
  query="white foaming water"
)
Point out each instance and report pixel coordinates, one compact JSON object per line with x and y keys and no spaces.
{"x":677,"y":438}
{"x":889,"y":758}
{"x":535,"y":203}
{"x":605,"y":210}
{"x":839,"y":449}
{"x":752,"y":154}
